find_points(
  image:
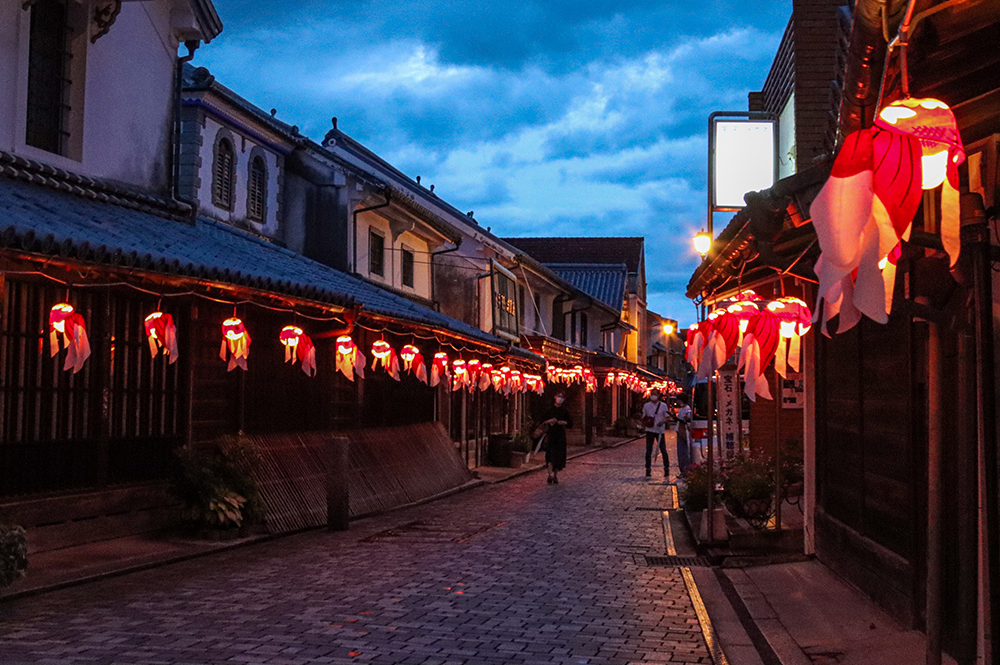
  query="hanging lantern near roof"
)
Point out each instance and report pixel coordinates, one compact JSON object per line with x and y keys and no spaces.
{"x":760,"y":343}
{"x":485,"y":376}
{"x":413,"y":362}
{"x":867,"y":205}
{"x":383,"y":355}
{"x":474,"y":367}
{"x":505,"y":384}
{"x":722,"y":341}
{"x":439,"y":368}
{"x":697,"y":338}
{"x":350,"y":359}
{"x":67,"y":324}
{"x":743,"y":310}
{"x":794,"y":321}
{"x":516,"y":381}
{"x":299,"y":346}
{"x":460,"y":374}
{"x":161,"y":333}
{"x":235,"y":344}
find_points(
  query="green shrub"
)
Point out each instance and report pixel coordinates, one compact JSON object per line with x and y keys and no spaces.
{"x":215,"y":482}
{"x":13,"y":553}
{"x":694,"y":493}
{"x":749,"y":487}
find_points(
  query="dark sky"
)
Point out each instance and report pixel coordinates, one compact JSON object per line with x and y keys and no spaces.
{"x":569,"y":117}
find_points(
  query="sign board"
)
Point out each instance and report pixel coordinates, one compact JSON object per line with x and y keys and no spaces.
{"x":729,"y":411}
{"x":744,"y":159}
{"x":504,"y":290}
{"x":793,"y":391}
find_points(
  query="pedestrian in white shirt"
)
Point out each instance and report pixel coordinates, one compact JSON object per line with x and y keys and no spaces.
{"x":654,"y":421}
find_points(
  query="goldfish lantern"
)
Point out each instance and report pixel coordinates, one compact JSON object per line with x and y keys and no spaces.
{"x":609,"y":379}
{"x":67,"y":324}
{"x":413,"y":362}
{"x":505,"y":380}
{"x":299,"y":346}
{"x":539,"y":385}
{"x":721,"y":342}
{"x":474,"y":367}
{"x":516,"y":381}
{"x":485,"y":376}
{"x":697,"y":338}
{"x":439,"y":368}
{"x":760,"y":343}
{"x":235,"y":344}
{"x":867,"y":205}
{"x":385,"y":356}
{"x":743,"y":310}
{"x":350,"y":360}
{"x":161,"y":334}
{"x":460,"y":374}
{"x":530,"y":382}
{"x":497,"y":378}
{"x":794,"y":320}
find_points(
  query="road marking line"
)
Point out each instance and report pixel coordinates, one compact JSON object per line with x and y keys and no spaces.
{"x":673,"y":494}
{"x":714,"y":648}
{"x":707,"y":630}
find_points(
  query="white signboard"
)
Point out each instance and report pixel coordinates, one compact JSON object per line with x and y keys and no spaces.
{"x":744,"y":160}
{"x":729,"y":411}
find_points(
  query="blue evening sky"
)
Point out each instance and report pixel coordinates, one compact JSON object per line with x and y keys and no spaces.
{"x":559,"y":117}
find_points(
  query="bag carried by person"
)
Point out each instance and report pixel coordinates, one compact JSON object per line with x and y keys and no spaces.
{"x":539,"y":446}
{"x":650,"y":421}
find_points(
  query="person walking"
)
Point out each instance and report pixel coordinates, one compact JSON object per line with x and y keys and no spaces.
{"x":654,"y":421}
{"x":684,"y":417}
{"x":557,"y":420}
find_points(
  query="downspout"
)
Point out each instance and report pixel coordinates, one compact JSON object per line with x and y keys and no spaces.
{"x":175,"y":153}
{"x":387,"y":193}
{"x":874,"y":23}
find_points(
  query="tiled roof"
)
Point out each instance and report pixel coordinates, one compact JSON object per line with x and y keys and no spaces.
{"x":604,"y":282}
{"x":80,"y":225}
{"x":583,"y":250}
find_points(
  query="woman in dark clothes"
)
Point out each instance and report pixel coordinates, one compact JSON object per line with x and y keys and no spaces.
{"x":558,"y":420}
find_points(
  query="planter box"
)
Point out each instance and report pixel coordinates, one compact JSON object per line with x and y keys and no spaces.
{"x":518,"y":459}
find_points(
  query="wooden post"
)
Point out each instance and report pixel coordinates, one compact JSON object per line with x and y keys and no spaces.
{"x":935,"y":543}
{"x":338,"y":464}
{"x":777,"y":451}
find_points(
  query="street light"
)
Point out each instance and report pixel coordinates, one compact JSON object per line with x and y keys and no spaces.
{"x":668,"y":329}
{"x":702,"y":243}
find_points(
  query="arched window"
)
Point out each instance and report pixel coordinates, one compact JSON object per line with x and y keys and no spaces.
{"x":223,"y":174}
{"x":257,"y":190}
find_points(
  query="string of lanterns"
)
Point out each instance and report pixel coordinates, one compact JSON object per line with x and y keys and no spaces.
{"x":763,"y":331}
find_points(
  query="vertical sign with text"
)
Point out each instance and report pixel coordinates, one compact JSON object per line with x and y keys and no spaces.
{"x":729,"y":411}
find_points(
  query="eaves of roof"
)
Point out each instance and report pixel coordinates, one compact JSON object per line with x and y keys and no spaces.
{"x":772,"y":233}
{"x":208,"y":18}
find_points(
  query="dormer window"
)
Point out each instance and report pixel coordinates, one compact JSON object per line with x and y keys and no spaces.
{"x":48,"y":80}
{"x":257,"y":190}
{"x":223,"y":173}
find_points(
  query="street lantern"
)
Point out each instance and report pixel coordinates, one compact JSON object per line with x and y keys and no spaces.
{"x":702,"y":243}
{"x":668,"y":329}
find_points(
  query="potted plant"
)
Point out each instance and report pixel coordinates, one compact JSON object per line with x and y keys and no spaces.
{"x":13,"y":553}
{"x":215,"y":482}
{"x":749,"y":488}
{"x":694,"y":492}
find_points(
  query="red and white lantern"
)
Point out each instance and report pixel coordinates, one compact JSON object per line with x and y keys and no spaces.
{"x":439,"y":368}
{"x":161,"y":333}
{"x":235,"y":344}
{"x":413,"y":362}
{"x":299,"y":346}
{"x":485,"y":376}
{"x":383,"y":355}
{"x":68,"y":325}
{"x":350,"y":360}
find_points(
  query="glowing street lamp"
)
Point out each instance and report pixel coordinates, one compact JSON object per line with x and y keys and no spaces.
{"x":702,"y":243}
{"x":668,"y":329}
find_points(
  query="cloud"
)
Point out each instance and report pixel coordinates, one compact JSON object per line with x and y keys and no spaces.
{"x":569,"y":118}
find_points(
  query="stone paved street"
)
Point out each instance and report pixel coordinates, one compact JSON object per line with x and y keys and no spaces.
{"x":520,"y":572}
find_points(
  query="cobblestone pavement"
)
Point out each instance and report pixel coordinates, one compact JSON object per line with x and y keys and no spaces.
{"x":521,"y":572}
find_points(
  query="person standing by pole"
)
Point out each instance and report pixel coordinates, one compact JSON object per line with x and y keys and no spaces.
{"x":654,"y":421}
{"x":684,"y":416}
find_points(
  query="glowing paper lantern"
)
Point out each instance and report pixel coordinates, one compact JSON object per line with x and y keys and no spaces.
{"x":697,"y":338}
{"x":485,"y":376}
{"x":516,"y":381}
{"x":385,"y":356}
{"x":743,"y":310}
{"x":460,"y":374}
{"x":505,"y":384}
{"x":722,"y":341}
{"x":235,"y":344}
{"x":760,"y":343}
{"x":867,"y":205}
{"x":794,"y":320}
{"x":299,"y":346}
{"x":474,"y":367}
{"x":413,"y":362}
{"x":161,"y":334}
{"x":439,"y":368}
{"x":350,"y":360}
{"x":67,"y":324}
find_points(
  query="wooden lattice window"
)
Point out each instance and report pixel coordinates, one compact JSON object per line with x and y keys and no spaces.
{"x":257,"y":190}
{"x":224,"y":174}
{"x":48,"y":81}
